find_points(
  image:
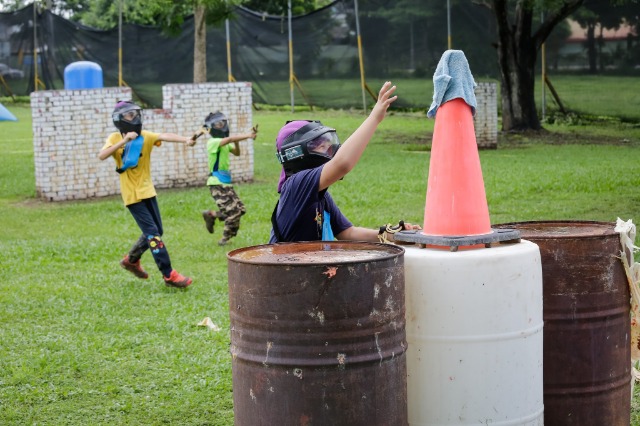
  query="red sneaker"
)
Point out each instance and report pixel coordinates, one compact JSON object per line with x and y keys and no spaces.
{"x":134,"y":268}
{"x":177,"y":280}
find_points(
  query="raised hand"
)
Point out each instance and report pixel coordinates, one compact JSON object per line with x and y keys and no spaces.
{"x":384,"y":100}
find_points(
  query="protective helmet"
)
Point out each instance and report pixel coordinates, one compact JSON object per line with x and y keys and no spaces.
{"x":127,"y":117}
{"x":217,"y":125}
{"x":310,"y":144}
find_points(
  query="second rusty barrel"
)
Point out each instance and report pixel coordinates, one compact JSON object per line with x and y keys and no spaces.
{"x":318,"y":334}
{"x":586,"y":349}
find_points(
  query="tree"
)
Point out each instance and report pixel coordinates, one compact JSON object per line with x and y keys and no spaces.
{"x":280,"y":7}
{"x":166,"y":14}
{"x":205,"y":12}
{"x":518,"y":45}
{"x":601,"y":13}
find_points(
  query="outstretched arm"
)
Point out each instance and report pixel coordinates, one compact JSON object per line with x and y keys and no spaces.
{"x":172,"y":137}
{"x":349,"y":154}
{"x":237,"y":138}
{"x":357,"y":233}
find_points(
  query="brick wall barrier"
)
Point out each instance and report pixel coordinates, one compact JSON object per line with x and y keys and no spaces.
{"x":486,"y":118}
{"x":70,"y":128}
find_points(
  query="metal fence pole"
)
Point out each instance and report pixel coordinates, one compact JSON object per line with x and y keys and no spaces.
{"x":120,"y":79}
{"x":229,"y":73}
{"x":544,"y":73}
{"x":35,"y":48}
{"x":291,"y":75}
{"x":448,"y":25}
{"x":360,"y":57}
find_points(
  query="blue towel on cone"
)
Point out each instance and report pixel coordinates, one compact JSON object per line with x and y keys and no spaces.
{"x":452,"y":80}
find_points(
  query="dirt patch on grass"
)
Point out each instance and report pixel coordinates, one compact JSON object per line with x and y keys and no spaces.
{"x":513,"y":139}
{"x":401,"y":138}
{"x":421,"y":142}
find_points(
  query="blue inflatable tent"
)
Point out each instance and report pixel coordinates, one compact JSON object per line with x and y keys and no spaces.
{"x":5,"y":115}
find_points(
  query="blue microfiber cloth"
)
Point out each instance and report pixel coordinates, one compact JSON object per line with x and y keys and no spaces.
{"x":452,"y":80}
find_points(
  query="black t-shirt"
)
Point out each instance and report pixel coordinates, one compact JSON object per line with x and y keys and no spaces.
{"x":300,"y":210}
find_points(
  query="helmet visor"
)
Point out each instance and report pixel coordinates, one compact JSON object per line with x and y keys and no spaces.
{"x":220,"y":124}
{"x":326,"y":144}
{"x":129,"y":114}
{"x":132,"y":116}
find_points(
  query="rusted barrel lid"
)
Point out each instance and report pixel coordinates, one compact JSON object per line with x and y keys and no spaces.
{"x":315,"y":252}
{"x":561,"y":229}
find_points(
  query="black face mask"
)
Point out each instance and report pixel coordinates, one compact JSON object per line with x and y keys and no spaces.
{"x":308,"y":162}
{"x":126,"y":127}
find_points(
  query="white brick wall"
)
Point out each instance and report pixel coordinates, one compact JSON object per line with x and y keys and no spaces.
{"x":486,"y":118}
{"x":70,"y":127}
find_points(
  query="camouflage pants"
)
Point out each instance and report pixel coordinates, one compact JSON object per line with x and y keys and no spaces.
{"x":231,"y":208}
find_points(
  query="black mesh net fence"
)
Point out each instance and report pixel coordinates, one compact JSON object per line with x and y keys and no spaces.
{"x":327,"y":66}
{"x":326,"y":61}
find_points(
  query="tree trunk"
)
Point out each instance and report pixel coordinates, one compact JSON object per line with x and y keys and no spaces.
{"x":200,"y":45}
{"x":516,"y":59}
{"x":518,"y":47}
{"x":591,"y":48}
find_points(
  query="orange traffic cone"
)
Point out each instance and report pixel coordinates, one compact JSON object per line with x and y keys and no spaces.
{"x":456,"y":203}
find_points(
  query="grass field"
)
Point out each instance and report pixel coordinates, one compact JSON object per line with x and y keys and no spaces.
{"x":83,"y":342}
{"x":596,"y":95}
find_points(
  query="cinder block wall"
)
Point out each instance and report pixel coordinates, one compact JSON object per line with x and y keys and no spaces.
{"x":486,"y":118}
{"x":70,"y":128}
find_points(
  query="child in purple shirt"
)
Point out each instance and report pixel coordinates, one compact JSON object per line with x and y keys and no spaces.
{"x":311,"y":162}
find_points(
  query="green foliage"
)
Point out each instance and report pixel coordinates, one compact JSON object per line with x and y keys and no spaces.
{"x":167,"y":14}
{"x":279,"y":7}
{"x":405,"y":11}
{"x":84,"y":342}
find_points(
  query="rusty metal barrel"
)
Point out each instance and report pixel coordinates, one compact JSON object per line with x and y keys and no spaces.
{"x":318,"y":334}
{"x":586,"y":349}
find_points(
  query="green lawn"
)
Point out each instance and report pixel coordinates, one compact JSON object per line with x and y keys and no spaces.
{"x":595,"y":95}
{"x":83,"y":342}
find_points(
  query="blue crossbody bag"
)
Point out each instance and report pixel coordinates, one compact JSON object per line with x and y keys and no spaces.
{"x":224,"y":176}
{"x":131,"y":154}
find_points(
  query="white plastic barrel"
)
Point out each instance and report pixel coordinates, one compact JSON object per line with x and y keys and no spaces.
{"x":474,"y":335}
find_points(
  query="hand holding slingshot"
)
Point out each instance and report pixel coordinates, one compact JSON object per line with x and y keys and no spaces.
{"x":196,"y":135}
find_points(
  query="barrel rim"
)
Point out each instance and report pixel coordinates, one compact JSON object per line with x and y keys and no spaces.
{"x":607,"y":226}
{"x":399,"y":251}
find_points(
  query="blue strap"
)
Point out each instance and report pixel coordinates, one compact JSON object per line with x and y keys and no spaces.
{"x":131,"y":154}
{"x":327,"y":232}
{"x":224,"y":176}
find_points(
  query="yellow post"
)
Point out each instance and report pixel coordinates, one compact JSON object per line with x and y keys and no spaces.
{"x":291,"y":75}
{"x":448,"y":25}
{"x":36,"y":80}
{"x":544,"y":76}
{"x":120,"y":68}
{"x":229,"y":73}
{"x":362,"y":80}
{"x":363,"y":83}
{"x":120,"y":80}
